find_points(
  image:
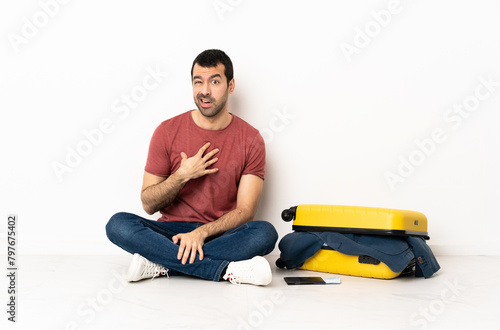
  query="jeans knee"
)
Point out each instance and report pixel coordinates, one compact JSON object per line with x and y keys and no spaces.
{"x":268,"y":232}
{"x":115,"y":224}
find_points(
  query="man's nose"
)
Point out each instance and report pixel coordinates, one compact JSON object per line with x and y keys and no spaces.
{"x":206,"y":89}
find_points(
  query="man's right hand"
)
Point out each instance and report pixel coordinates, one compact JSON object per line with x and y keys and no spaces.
{"x":159,"y":192}
{"x":197,"y":165}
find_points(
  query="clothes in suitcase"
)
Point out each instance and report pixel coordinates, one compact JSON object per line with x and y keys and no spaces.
{"x":358,"y":241}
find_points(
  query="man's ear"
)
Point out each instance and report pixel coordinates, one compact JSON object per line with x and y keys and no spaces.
{"x":231,"y":86}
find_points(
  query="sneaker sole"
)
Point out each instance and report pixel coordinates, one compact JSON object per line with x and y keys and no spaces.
{"x":134,"y":268}
{"x":269,"y":275}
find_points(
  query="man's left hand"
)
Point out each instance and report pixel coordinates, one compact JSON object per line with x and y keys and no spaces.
{"x":189,"y":245}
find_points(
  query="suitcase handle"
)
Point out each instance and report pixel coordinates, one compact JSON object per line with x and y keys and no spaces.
{"x":289,"y":214}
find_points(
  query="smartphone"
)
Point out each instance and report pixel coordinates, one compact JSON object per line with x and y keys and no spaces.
{"x":304,"y":280}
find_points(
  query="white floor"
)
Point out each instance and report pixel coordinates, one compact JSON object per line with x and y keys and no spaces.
{"x":88,"y":292}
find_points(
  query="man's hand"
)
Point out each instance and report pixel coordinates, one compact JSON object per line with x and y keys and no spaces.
{"x":159,"y":192}
{"x":189,"y":244}
{"x":197,"y":165}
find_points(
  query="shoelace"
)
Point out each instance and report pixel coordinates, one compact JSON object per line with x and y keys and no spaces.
{"x":232,"y":278}
{"x":244,"y":274}
{"x":153,"y":270}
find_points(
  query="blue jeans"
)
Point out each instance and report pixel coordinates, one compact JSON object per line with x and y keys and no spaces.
{"x":153,"y":240}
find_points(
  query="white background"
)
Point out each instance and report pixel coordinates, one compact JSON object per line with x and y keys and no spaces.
{"x":335,"y":123}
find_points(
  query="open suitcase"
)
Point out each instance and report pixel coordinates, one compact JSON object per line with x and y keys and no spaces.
{"x":354,"y":220}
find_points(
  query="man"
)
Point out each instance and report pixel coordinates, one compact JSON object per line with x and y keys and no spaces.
{"x":204,"y":173}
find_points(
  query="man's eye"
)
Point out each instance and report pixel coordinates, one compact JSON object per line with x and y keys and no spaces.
{"x":197,"y":82}
{"x":215,"y":82}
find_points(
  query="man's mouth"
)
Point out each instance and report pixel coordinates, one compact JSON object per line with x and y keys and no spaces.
{"x":205,"y":102}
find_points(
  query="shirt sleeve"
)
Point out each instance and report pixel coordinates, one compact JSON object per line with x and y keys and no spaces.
{"x":256,"y":157}
{"x":158,"y":161}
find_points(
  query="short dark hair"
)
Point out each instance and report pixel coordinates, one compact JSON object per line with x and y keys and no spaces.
{"x":210,"y":58}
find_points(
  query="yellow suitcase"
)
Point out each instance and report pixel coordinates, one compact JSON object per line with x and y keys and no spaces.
{"x":356,"y":220}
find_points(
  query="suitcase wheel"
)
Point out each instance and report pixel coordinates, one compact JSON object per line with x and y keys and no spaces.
{"x":289,"y":214}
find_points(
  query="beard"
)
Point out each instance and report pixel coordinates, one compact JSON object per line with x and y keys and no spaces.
{"x":215,"y":109}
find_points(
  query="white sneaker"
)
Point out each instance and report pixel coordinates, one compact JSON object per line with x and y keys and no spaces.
{"x":254,"y":271}
{"x":141,"y":268}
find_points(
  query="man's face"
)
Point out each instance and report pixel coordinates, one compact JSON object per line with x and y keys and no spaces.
{"x":210,"y":89}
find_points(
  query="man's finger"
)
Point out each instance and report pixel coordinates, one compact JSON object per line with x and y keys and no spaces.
{"x":182,"y":247}
{"x":211,"y":162}
{"x":193,"y":255}
{"x":203,"y":149}
{"x":210,"y":171}
{"x":210,"y":154}
{"x":186,"y":255}
{"x":200,"y":253}
{"x":180,"y":253}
